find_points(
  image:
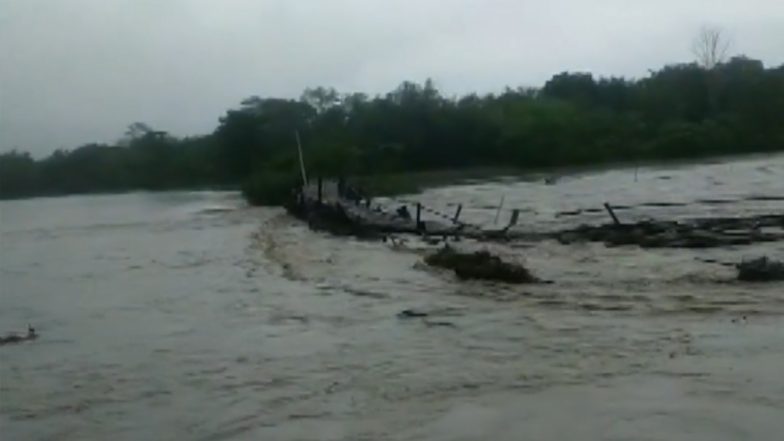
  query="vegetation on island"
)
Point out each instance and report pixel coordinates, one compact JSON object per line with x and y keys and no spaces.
{"x":711,"y":107}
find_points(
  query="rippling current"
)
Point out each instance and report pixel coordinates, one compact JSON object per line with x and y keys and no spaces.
{"x":188,"y":315}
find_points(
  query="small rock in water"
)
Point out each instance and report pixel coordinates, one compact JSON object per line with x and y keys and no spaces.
{"x":761,"y":270}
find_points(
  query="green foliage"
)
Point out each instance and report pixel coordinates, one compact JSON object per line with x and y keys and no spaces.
{"x":269,"y":187}
{"x":391,"y":142}
{"x":331,"y":161}
{"x":387,"y":184}
{"x":18,"y":175}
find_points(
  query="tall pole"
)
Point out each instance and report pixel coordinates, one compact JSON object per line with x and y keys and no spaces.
{"x":612,"y":214}
{"x":301,"y":160}
{"x":498,"y":212}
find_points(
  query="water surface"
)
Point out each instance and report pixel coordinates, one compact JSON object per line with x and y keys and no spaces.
{"x":192,"y":316}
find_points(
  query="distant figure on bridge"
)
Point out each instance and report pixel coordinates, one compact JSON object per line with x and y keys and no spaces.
{"x":403,"y":212}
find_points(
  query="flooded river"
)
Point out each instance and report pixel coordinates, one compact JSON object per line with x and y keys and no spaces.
{"x":188,"y":315}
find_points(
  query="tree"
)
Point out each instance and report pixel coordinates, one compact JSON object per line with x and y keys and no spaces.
{"x":135,"y":131}
{"x":577,"y":87}
{"x":710,"y":47}
{"x":712,"y":107}
{"x":320,"y":98}
{"x":17,"y":174}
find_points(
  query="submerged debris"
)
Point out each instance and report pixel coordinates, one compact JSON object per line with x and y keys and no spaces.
{"x":761,"y":270}
{"x":696,"y":233}
{"x":435,"y":324}
{"x":415,"y":314}
{"x":14,"y":338}
{"x":411,"y":313}
{"x":479,"y":265}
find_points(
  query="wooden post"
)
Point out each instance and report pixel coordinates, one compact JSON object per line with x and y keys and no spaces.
{"x":457,"y":213}
{"x":513,"y":219}
{"x":498,"y":212}
{"x":301,"y":160}
{"x":320,"y":189}
{"x":418,"y":216}
{"x":612,"y":213}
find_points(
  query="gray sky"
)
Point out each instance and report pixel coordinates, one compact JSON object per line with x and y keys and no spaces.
{"x":75,"y":71}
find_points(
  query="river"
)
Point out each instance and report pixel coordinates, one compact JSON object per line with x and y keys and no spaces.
{"x":188,"y":315}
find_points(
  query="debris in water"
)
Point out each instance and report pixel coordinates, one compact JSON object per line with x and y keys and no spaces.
{"x":432,"y":240}
{"x":697,"y":233}
{"x":411,"y":313}
{"x":14,"y":338}
{"x":445,"y":324}
{"x":479,"y":265}
{"x":742,"y":319}
{"x":761,"y":270}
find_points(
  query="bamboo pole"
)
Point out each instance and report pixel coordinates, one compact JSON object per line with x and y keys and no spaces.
{"x":612,"y":213}
{"x":457,"y":213}
{"x":498,"y":212}
{"x":301,"y":160}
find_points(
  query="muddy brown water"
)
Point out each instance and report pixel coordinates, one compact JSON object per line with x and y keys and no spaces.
{"x":191,"y":316}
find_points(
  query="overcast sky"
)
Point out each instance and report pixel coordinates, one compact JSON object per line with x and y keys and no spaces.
{"x":75,"y":71}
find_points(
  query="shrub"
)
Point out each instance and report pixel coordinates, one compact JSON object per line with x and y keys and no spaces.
{"x":268,"y":187}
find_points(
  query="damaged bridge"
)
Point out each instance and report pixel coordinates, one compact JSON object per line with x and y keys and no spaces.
{"x":338,"y":208}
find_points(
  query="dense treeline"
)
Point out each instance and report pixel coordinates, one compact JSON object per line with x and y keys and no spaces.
{"x":683,"y":110}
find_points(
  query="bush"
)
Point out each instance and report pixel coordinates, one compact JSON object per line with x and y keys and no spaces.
{"x":269,"y":187}
{"x":387,"y":184}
